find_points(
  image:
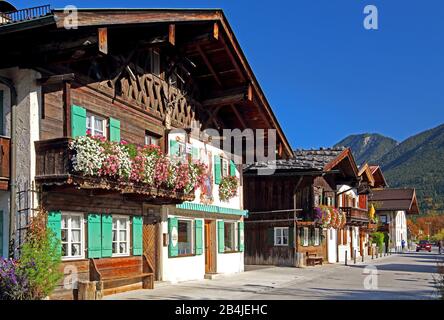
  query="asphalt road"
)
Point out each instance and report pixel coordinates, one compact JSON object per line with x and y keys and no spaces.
{"x":402,"y":276}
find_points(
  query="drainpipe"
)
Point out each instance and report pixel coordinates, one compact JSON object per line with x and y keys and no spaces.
{"x":13,"y":172}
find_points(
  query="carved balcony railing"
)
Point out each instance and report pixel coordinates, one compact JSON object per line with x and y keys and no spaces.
{"x":54,"y":167}
{"x":356,"y":215}
{"x":155,"y":96}
{"x":5,"y":160}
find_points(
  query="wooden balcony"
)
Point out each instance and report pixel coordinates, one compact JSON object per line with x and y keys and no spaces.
{"x":54,"y":168}
{"x":356,"y":216}
{"x":384,"y":227}
{"x":5,"y":162}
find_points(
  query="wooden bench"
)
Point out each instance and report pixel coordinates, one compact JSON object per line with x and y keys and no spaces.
{"x":313,"y":258}
{"x":113,"y":273}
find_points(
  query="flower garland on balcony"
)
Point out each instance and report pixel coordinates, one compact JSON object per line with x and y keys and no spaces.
{"x":228,"y":188}
{"x":344,"y":219}
{"x":124,"y":162}
{"x":323,"y":216}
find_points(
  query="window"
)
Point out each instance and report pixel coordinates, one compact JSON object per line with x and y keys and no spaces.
{"x":317,"y":237}
{"x":185,"y":237}
{"x":383,"y":219}
{"x":72,"y":236}
{"x":121,"y":236}
{"x":151,"y":139}
{"x":281,"y":236}
{"x":155,"y":61}
{"x":95,"y":125}
{"x":230,"y":236}
{"x":305,"y":237}
{"x":225,"y":168}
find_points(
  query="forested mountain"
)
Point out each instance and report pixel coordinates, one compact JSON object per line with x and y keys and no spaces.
{"x":416,"y":162}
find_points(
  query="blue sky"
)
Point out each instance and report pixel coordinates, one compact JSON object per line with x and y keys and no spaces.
{"x":326,"y":76}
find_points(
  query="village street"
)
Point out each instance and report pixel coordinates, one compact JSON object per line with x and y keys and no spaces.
{"x":402,"y":276}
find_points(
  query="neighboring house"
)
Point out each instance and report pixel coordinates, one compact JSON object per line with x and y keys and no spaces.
{"x":153,"y":72}
{"x":283,"y":227}
{"x":392,"y":207}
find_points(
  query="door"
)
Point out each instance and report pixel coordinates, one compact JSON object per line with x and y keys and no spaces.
{"x":151,"y":243}
{"x":209,"y":247}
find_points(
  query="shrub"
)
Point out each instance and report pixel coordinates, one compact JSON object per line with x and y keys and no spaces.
{"x":40,"y":258}
{"x":378,"y":238}
{"x":13,"y":285}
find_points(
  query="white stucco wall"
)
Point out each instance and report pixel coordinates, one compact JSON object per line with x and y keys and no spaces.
{"x":400,"y":228}
{"x":175,"y":269}
{"x":28,"y":110}
{"x":332,"y":243}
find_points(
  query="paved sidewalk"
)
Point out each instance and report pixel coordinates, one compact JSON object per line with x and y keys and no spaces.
{"x":403,"y":276}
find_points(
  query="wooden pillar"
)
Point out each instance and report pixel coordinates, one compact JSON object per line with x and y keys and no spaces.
{"x":66,"y":109}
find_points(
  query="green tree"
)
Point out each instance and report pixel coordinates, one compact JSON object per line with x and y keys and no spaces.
{"x":40,"y":258}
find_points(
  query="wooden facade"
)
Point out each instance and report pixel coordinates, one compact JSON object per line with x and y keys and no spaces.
{"x":152,"y":71}
{"x":287,"y":198}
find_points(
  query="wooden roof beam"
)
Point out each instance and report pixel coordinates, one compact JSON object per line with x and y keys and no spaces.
{"x":231,"y":96}
{"x":209,"y":66}
{"x":238,"y":116}
{"x":232,"y":59}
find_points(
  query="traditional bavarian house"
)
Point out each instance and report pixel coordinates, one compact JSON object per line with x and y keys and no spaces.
{"x":294,"y":217}
{"x":93,"y":103}
{"x":392,"y":208}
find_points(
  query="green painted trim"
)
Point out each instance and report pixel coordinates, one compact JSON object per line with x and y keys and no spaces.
{"x":211,"y":208}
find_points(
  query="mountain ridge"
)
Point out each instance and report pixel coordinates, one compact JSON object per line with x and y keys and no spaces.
{"x":415,"y":162}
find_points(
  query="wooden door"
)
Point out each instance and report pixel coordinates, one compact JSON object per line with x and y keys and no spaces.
{"x":151,"y":244}
{"x":209,"y":247}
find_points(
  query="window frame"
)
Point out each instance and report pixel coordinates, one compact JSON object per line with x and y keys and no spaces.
{"x":235,"y":236}
{"x":69,"y":229}
{"x":128,"y":236}
{"x":276,"y":237}
{"x":305,"y":236}
{"x":94,"y":117}
{"x":224,"y":167}
{"x":192,"y":240}
{"x":149,"y":135}
{"x":317,"y":236}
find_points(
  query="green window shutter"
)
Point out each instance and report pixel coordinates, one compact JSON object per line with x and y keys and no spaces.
{"x":174,"y":148}
{"x":240,"y":230}
{"x":94,"y":236}
{"x":198,"y":237}
{"x":291,"y":237}
{"x":137,"y":236}
{"x":195,"y":153}
{"x":1,"y":228}
{"x":270,"y":237}
{"x":232,"y":168}
{"x":217,"y":170}
{"x":55,"y":225}
{"x":107,"y":235}
{"x":221,"y":236}
{"x":78,"y":121}
{"x":173,"y":229}
{"x":114,"y":130}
